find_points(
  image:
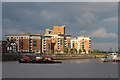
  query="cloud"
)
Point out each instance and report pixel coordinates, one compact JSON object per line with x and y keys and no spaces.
{"x":99,"y":33}
{"x":101,"y":7}
{"x":87,"y":19}
{"x":102,"y":33}
{"x":110,"y":19}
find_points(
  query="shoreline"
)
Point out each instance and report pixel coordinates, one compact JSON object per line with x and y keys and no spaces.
{"x":16,"y":57}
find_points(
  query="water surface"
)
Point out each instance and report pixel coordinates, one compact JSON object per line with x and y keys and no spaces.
{"x":80,"y":68}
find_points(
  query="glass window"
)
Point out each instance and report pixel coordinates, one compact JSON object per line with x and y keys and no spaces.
{"x":73,"y":45}
{"x":34,"y":42}
{"x":82,"y":42}
{"x":49,"y":32}
{"x":49,"y":46}
{"x":61,"y":41}
{"x":82,"y":47}
{"x":68,"y":45}
{"x":64,"y":38}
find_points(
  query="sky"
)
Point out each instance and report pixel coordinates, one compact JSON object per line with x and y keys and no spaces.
{"x":98,"y":20}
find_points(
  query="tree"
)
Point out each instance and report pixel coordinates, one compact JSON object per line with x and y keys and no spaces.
{"x":80,"y":51}
{"x":75,"y":50}
{"x":84,"y":50}
{"x":95,"y":51}
{"x":71,"y":50}
{"x":65,"y":50}
{"x":89,"y":51}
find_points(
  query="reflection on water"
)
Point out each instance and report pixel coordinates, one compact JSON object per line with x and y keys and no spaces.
{"x":77,"y":61}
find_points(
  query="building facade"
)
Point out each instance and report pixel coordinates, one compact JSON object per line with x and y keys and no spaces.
{"x":59,"y":42}
{"x":8,"y":47}
{"x":11,"y":47}
{"x":81,"y":43}
{"x":27,"y":42}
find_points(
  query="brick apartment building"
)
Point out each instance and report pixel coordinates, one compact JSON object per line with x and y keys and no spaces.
{"x":82,"y":43}
{"x":27,"y":42}
{"x":53,"y":41}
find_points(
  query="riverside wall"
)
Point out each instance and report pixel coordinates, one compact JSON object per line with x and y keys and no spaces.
{"x":15,"y":57}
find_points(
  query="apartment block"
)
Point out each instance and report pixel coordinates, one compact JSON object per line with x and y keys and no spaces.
{"x":81,"y":42}
{"x":59,"y":42}
{"x":27,"y":42}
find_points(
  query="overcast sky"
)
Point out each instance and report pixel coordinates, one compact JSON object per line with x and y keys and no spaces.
{"x":96,"y":20}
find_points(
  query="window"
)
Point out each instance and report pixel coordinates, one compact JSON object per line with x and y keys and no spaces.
{"x":68,"y":45}
{"x":21,"y":47}
{"x":49,"y":32}
{"x":21,"y":44}
{"x":82,"y":47}
{"x":34,"y":42}
{"x":61,"y":41}
{"x":64,"y":38}
{"x":8,"y":38}
{"x":49,"y":46}
{"x":73,"y":45}
{"x":83,"y":43}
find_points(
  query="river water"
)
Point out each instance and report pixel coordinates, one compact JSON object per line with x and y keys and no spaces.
{"x":80,"y":68}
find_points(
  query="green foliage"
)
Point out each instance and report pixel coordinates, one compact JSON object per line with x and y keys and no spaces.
{"x":89,"y":51}
{"x":84,"y":50}
{"x":66,"y":50}
{"x":73,"y":50}
{"x":95,"y":51}
{"x":80,"y":51}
